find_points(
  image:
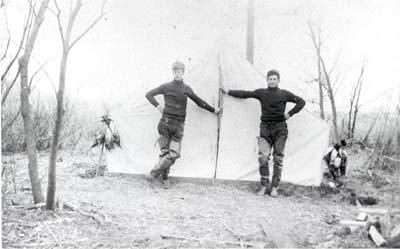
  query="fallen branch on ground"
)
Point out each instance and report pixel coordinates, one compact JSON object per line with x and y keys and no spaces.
{"x":232,"y":243}
{"x":379,"y":210}
{"x":353,"y":223}
{"x":37,"y":206}
{"x":20,"y":222}
{"x":52,"y":235}
{"x":46,"y":244}
{"x":71,"y":207}
{"x":391,"y":159}
{"x":235,"y":234}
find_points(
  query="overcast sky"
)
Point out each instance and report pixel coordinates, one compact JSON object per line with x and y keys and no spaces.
{"x":134,"y":45}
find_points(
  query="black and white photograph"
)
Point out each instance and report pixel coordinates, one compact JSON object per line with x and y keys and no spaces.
{"x":200,"y":123}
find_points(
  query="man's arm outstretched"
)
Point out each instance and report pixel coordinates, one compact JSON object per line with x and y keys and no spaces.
{"x":242,"y":94}
{"x":201,"y":103}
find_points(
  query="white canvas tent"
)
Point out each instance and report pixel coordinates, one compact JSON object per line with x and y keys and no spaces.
{"x":238,"y":126}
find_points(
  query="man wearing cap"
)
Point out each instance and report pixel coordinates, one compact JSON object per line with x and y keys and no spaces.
{"x":172,"y":122}
{"x":273,"y":127}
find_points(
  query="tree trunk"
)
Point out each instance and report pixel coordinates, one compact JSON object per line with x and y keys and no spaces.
{"x":321,"y":93}
{"x":317,"y":46}
{"x":67,"y":45}
{"x":26,"y":108}
{"x":349,"y":135}
{"x":65,"y":39}
{"x":357,"y":103}
{"x":52,"y":186}
{"x":331,"y":98}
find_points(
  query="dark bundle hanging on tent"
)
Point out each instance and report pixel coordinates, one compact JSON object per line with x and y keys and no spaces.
{"x":107,"y":137}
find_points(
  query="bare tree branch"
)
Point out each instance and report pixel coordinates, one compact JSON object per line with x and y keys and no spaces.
{"x":7,"y":126}
{"x":8,"y":89}
{"x":35,"y":73}
{"x":334,"y":64}
{"x":60,"y":28}
{"x":28,"y":21}
{"x":102,"y":13}
{"x":9,"y":37}
{"x":356,"y":104}
{"x":33,"y":7}
{"x":52,"y":11}
{"x":46,"y":73}
{"x":336,"y":86}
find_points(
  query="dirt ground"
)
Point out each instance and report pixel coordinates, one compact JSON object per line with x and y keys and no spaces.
{"x":128,"y":211}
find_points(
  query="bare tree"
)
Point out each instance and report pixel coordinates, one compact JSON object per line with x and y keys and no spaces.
{"x":25,"y":104}
{"x":354,"y":104}
{"x":317,"y":45}
{"x":67,"y":45}
{"x":325,"y":79}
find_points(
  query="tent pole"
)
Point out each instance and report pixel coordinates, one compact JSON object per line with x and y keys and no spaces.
{"x":250,"y":31}
{"x":219,"y":117}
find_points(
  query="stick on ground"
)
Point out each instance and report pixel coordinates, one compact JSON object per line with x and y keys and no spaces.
{"x":228,"y":243}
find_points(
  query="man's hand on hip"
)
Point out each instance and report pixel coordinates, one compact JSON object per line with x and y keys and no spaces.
{"x":160,"y":108}
{"x":287,"y":116}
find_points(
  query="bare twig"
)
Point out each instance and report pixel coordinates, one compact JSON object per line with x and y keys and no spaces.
{"x":33,"y":7}
{"x":47,"y":74}
{"x":71,"y":207}
{"x":24,"y":33}
{"x":9,"y":87}
{"x":231,"y":243}
{"x":52,"y":235}
{"x":36,"y":206}
{"x":235,"y":234}
{"x":36,"y":72}
{"x":8,"y":39}
{"x":58,"y":15}
{"x":391,"y":159}
{"x":102,"y":13}
{"x":334,"y":64}
{"x":20,"y":222}
{"x":48,"y":244}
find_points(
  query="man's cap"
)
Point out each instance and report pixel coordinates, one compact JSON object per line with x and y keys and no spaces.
{"x":273,"y":72}
{"x":178,"y":65}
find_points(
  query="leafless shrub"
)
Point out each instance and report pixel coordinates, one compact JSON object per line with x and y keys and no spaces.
{"x":80,"y":124}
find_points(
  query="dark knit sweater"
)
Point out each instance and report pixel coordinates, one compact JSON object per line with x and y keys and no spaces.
{"x":273,"y":102}
{"x":175,"y":99}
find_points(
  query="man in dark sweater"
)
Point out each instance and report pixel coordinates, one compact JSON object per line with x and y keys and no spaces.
{"x":172,"y":122}
{"x":273,"y":127}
